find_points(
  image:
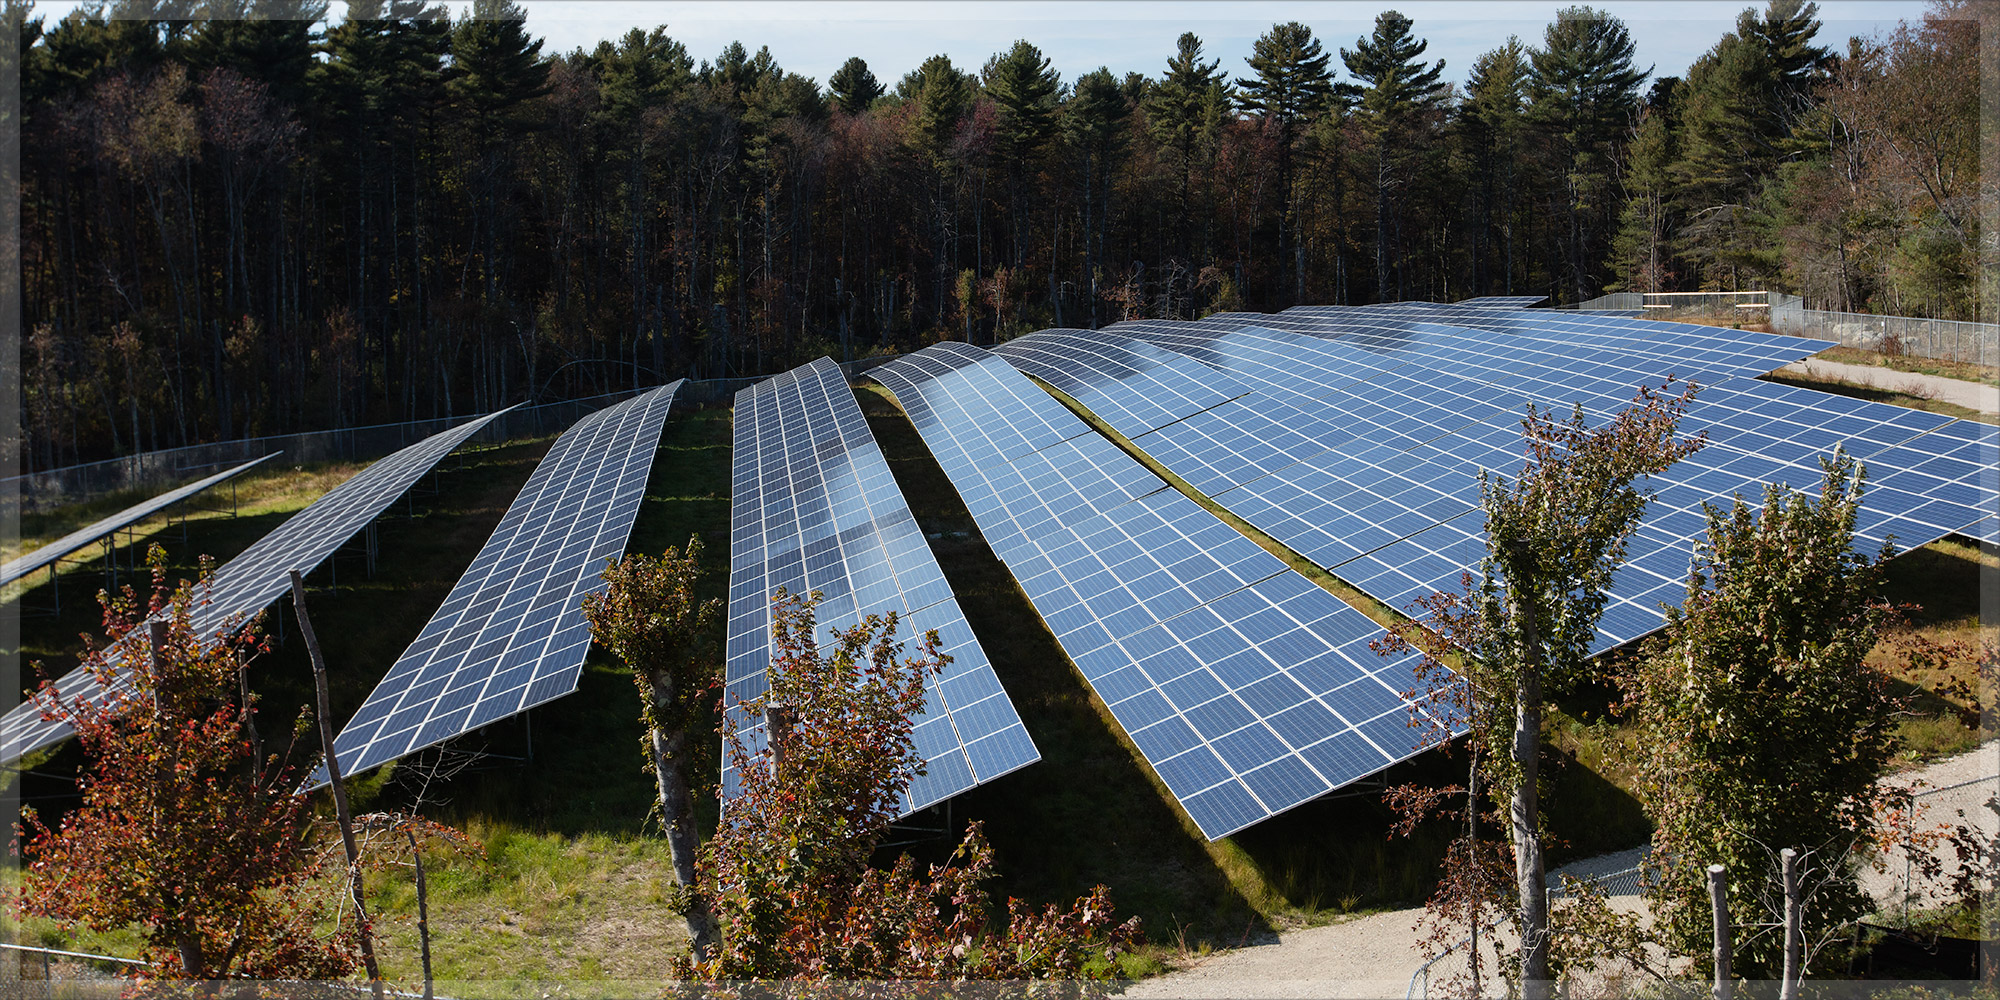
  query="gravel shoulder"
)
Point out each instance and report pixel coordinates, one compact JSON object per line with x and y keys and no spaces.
{"x":1971,"y":395}
{"x":1375,"y":955}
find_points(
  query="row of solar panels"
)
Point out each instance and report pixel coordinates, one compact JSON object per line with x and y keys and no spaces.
{"x":1353,"y":436}
{"x":509,"y":636}
{"x":1356,"y":437}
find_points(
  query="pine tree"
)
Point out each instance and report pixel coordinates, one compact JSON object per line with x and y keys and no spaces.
{"x":1643,"y":250}
{"x":1025,"y":90}
{"x":1094,"y":124}
{"x":1492,"y":121}
{"x":1291,"y":87}
{"x":1583,"y":96}
{"x":853,"y":87}
{"x":1178,"y":117}
{"x":1398,"y":88}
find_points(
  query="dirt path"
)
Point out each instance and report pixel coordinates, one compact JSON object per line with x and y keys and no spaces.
{"x":1971,"y":395}
{"x":1375,"y":955}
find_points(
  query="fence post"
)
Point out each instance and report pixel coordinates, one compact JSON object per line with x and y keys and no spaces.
{"x":1794,"y":925}
{"x":1718,"y":898}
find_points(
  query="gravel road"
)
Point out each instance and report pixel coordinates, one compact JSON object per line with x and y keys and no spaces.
{"x":1375,"y":955}
{"x":1971,"y":395}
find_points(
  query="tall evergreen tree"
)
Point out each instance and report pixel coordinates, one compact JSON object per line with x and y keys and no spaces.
{"x":1643,"y":251}
{"x":853,"y":87}
{"x":1178,"y":114}
{"x":1291,"y":86}
{"x":1398,"y":87}
{"x":497,"y":77}
{"x":1583,"y":97}
{"x":1025,"y":91}
{"x":1094,"y":124}
{"x":1493,"y":120}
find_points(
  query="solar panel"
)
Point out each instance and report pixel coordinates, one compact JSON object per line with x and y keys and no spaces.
{"x":1504,"y":301}
{"x":511,"y":634}
{"x":48,"y":554}
{"x":1248,"y":688}
{"x":255,"y":578}
{"x":1405,"y":413}
{"x":817,"y":509}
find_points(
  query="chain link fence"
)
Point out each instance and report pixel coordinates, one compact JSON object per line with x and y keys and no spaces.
{"x":1941,"y":339}
{"x":156,"y":470}
{"x":1917,"y":336}
{"x":1909,"y":888}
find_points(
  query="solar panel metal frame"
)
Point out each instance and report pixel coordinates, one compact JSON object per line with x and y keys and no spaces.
{"x":48,"y":554}
{"x":816,"y":508}
{"x":1230,"y":672}
{"x":511,"y":634}
{"x":1389,"y":578}
{"x":261,"y":573}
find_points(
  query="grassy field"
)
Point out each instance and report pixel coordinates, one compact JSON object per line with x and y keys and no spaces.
{"x":566,"y":880}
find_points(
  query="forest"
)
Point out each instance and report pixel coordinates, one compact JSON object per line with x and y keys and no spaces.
{"x":241,"y":218}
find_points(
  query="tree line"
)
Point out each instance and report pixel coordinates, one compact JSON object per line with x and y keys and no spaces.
{"x":239,"y":219}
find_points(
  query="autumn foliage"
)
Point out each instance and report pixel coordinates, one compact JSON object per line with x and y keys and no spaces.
{"x":788,"y":871}
{"x":188,"y":829}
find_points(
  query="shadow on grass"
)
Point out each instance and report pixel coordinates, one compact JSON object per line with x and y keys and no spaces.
{"x":574,"y":765}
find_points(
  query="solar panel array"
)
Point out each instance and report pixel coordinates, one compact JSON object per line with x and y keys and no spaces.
{"x":511,"y":634}
{"x":817,"y":509}
{"x":48,"y":554}
{"x":1503,"y":301}
{"x":255,"y":578}
{"x":1363,"y":431}
{"x":1248,"y":688}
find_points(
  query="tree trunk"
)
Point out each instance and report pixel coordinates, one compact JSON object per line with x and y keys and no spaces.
{"x":1382,"y":218}
{"x":677,"y":816}
{"x":423,"y":910}
{"x":1524,"y":811}
{"x":341,"y":812}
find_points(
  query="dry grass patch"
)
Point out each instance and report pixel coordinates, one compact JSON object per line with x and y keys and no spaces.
{"x":1964,"y":371}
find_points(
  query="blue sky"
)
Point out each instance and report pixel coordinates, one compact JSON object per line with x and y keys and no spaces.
{"x":813,"y":37}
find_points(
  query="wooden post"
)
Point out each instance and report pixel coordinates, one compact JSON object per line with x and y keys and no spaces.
{"x":340,"y":809}
{"x":1472,"y":857}
{"x":1788,"y":989}
{"x":1718,"y":897}
{"x":779,"y":717}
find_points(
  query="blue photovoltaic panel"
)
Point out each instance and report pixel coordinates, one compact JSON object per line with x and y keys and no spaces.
{"x":511,"y":634}
{"x":1387,"y":498}
{"x":47,"y":554}
{"x":245,"y":584}
{"x":1128,"y":382}
{"x":817,"y":509}
{"x":1504,"y":301}
{"x":1248,"y":688}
